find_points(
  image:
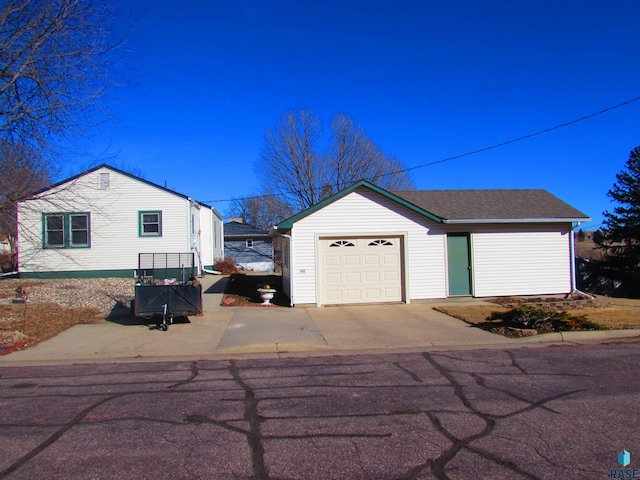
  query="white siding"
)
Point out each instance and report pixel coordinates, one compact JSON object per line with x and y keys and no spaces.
{"x":115,"y":239}
{"x":518,"y":260}
{"x":364,"y":212}
{"x":218,"y":236}
{"x":205,"y":236}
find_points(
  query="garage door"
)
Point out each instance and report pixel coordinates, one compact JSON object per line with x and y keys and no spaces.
{"x":360,"y":270}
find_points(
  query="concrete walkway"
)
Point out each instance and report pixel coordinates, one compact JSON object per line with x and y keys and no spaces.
{"x":234,"y":332}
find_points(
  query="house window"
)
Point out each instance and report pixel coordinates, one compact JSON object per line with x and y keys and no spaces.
{"x":150,"y":224}
{"x":249,"y":243}
{"x":104,"y":181}
{"x":66,"y":230}
{"x":54,"y":231}
{"x":79,"y":228}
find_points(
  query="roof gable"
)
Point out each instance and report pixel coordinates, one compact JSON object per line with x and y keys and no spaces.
{"x":288,"y":223}
{"x":114,"y":169}
{"x":126,"y":174}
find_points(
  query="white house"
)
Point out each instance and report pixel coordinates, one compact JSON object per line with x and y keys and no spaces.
{"x":368,"y":245}
{"x":96,"y":223}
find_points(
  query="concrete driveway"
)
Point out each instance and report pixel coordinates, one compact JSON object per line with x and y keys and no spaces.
{"x":232,"y":332}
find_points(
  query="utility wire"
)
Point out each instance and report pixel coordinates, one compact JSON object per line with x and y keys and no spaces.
{"x":473,"y":152}
{"x":524,"y":137}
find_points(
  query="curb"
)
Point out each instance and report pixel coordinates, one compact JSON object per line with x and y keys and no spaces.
{"x":289,"y":350}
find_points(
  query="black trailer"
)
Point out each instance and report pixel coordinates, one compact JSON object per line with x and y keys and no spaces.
{"x":167,"y":287}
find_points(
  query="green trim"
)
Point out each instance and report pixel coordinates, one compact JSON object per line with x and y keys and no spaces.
{"x":288,"y":224}
{"x":127,"y":273}
{"x":141,"y":213}
{"x":66,"y":230}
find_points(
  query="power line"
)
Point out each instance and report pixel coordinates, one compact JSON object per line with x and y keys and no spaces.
{"x":524,"y":137}
{"x":473,"y":152}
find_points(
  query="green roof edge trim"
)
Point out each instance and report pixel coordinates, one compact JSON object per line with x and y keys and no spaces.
{"x":288,"y":223}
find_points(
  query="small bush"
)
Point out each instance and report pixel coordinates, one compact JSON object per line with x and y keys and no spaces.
{"x":544,"y":320}
{"x":226,"y":265}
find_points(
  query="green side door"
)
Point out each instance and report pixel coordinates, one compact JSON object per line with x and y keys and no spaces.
{"x":459,"y":262}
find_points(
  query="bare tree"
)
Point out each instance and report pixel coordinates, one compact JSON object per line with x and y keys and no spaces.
{"x":293,"y":165}
{"x":54,"y":58}
{"x":262,"y":212}
{"x":55,"y":65}
{"x":353,"y":156}
{"x":23,"y":172}
{"x":289,"y":163}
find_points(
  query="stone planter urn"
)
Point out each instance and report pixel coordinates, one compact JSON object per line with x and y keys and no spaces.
{"x":266,"y":294}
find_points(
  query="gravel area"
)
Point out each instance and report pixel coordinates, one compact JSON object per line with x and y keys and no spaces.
{"x":100,"y":293}
{"x":52,"y":306}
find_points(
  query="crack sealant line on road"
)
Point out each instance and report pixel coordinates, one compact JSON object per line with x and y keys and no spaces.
{"x":438,"y":465}
{"x":56,"y":436}
{"x":254,"y":436}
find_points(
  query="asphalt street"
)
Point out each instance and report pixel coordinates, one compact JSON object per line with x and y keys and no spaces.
{"x":536,"y":413}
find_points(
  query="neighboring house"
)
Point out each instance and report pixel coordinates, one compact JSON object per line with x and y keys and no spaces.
{"x":367,"y":245}
{"x":96,"y":223}
{"x":250,"y":247}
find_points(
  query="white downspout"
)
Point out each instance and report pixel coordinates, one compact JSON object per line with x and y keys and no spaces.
{"x":195,"y":235}
{"x":572,"y":250}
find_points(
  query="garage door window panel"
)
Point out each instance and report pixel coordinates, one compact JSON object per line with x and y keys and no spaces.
{"x":342,"y":243}
{"x":381,"y":243}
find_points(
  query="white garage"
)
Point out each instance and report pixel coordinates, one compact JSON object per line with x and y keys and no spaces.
{"x":360,"y":270}
{"x":367,"y":245}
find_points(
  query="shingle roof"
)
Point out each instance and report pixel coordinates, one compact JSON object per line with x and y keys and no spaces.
{"x":492,"y":204}
{"x":237,"y":229}
{"x":467,"y":206}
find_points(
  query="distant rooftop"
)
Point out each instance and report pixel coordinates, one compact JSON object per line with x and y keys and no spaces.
{"x":238,"y":229}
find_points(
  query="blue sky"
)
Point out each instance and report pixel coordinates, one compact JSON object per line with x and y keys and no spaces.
{"x":426,"y":80}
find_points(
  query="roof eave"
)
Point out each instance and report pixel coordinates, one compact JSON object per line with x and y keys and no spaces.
{"x":231,"y":236}
{"x":515,"y":220}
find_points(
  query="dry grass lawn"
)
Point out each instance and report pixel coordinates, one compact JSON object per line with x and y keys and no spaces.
{"x":473,"y":314}
{"x":617,"y":313}
{"x":50,"y":308}
{"x":29,"y":324}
